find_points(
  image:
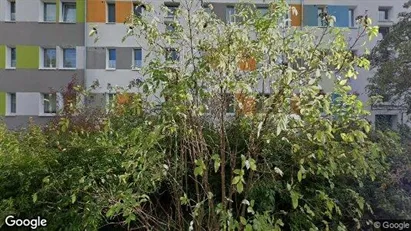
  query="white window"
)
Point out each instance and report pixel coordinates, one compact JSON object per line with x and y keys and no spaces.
{"x":111,"y":58}
{"x":383,"y":14}
{"x":169,"y":26}
{"x":230,"y":14}
{"x":171,"y":11}
{"x":11,"y":57}
{"x":68,"y":12}
{"x":351,"y":20}
{"x":172,"y":54}
{"x":383,"y":30}
{"x":49,"y":12}
{"x":111,"y":12}
{"x":263,"y":10}
{"x":320,"y":14}
{"x":49,"y":58}
{"x":11,"y":103}
{"x":138,"y":9}
{"x":49,"y":103}
{"x":69,"y":57}
{"x":110,"y":97}
{"x":137,"y":58}
{"x":285,"y":18}
{"x":11,"y":5}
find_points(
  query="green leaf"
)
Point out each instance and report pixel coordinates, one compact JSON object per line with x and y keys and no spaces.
{"x":343,"y":82}
{"x":299,"y":175}
{"x":243,"y":220}
{"x":240,"y":187}
{"x":198,"y":171}
{"x":236,"y":180}
{"x":248,"y":227}
{"x":73,"y":198}
{"x":34,"y":197}
{"x":294,"y":198}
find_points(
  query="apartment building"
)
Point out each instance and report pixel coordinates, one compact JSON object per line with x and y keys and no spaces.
{"x":41,"y":49}
{"x":44,"y":43}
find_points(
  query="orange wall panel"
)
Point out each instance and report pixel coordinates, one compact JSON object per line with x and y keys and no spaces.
{"x":296,"y":19}
{"x":123,"y":10}
{"x":248,"y":65}
{"x":96,"y":11}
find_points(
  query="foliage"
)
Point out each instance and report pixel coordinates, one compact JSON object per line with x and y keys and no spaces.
{"x":182,"y":162}
{"x":392,"y":59}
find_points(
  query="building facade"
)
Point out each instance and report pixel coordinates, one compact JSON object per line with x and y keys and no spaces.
{"x":45,"y":43}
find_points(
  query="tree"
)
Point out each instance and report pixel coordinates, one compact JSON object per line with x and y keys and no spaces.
{"x":183,"y":162}
{"x":392,"y":59}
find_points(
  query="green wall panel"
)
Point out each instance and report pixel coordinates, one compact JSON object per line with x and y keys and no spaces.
{"x":27,"y":57}
{"x":81,"y":10}
{"x":2,"y":103}
{"x":2,"y":56}
{"x":57,"y":10}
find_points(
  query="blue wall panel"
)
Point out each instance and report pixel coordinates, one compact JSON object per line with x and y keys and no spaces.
{"x":341,"y":14}
{"x":311,"y":15}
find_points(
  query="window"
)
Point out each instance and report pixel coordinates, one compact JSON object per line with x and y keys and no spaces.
{"x":49,"y":58}
{"x":11,"y":57}
{"x":69,"y":11}
{"x":263,"y":10}
{"x":230,"y":103}
{"x":207,"y":8}
{"x":383,"y":30}
{"x":285,"y":18}
{"x":12,"y":11}
{"x":49,"y":103}
{"x":230,"y":14}
{"x":69,"y":58}
{"x":110,"y":99}
{"x":171,"y":13}
{"x":383,"y":14}
{"x":169,"y":27}
{"x":12,"y":103}
{"x":111,"y":58}
{"x":383,"y":122}
{"x":351,"y":21}
{"x":138,"y":9}
{"x":49,"y":12}
{"x":321,"y":12}
{"x":138,"y":58}
{"x":172,"y":55}
{"x":111,"y":12}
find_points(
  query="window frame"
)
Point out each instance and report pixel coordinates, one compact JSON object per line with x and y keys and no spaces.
{"x":10,"y":103}
{"x":138,"y":6}
{"x":136,"y":67}
{"x":382,"y":28}
{"x":172,"y":8}
{"x":108,"y":4}
{"x":321,"y":9}
{"x":63,"y":58}
{"x":169,"y":55}
{"x":9,"y":56}
{"x":351,"y":18}
{"x":43,"y":112}
{"x":386,"y":14}
{"x":43,"y":57}
{"x":108,"y":59}
{"x":62,"y":11}
{"x":11,"y":16}
{"x":44,"y":10}
{"x":229,"y":17}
